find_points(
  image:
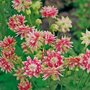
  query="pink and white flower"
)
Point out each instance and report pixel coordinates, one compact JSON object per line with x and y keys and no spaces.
{"x":32,"y":67}
{"x":53,"y":59}
{"x":63,"y":44}
{"x":85,"y":61}
{"x":24,"y":85}
{"x":5,"y":65}
{"x":48,"y":37}
{"x":7,"y":42}
{"x":15,"y":21}
{"x":49,"y":11}
{"x":21,"y":5}
{"x":32,"y":39}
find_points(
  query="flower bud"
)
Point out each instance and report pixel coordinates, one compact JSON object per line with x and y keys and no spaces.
{"x":54,"y":27}
{"x":38,"y":21}
{"x":36,"y":5}
{"x":28,"y":12}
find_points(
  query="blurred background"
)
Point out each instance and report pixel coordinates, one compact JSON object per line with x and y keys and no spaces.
{"x":77,"y":10}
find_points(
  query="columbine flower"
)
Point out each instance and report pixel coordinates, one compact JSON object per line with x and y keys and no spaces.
{"x":49,"y":11}
{"x":32,"y":67}
{"x":21,"y":5}
{"x":64,"y":24}
{"x":48,"y":37}
{"x":86,"y":38}
{"x":53,"y":72}
{"x":32,"y":39}
{"x":16,"y":21}
{"x":63,"y":44}
{"x":5,"y":65}
{"x":53,"y":59}
{"x":85,"y":61}
{"x":24,"y":85}
{"x":24,"y":30}
{"x":7,"y":42}
{"x":72,"y":62}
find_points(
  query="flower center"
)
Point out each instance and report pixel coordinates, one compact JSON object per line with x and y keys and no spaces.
{"x":32,"y":67}
{"x":54,"y":60}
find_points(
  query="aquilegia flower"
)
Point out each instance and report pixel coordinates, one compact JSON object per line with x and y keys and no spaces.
{"x":21,"y":5}
{"x":64,"y":24}
{"x":16,"y":21}
{"x":32,"y":67}
{"x":86,"y":38}
{"x":49,"y":11}
{"x":85,"y":61}
{"x":63,"y":44}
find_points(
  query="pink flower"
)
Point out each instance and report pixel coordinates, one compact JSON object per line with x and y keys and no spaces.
{"x":73,"y":61}
{"x":32,"y":67}
{"x":7,"y":42}
{"x":24,"y":85}
{"x":49,"y":11}
{"x":63,"y":44}
{"x":21,"y":5}
{"x":53,"y":59}
{"x":48,"y":37}
{"x":16,"y":21}
{"x":32,"y":39}
{"x":5,"y":65}
{"x":24,"y":30}
{"x":53,"y":72}
{"x":85,"y":61}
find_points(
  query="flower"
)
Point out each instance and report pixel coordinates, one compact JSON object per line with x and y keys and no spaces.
{"x":86,"y":38}
{"x":63,"y":44}
{"x":7,"y":42}
{"x":21,"y":5}
{"x":85,"y":61}
{"x":64,"y":24}
{"x":71,"y":62}
{"x":15,"y":21}
{"x":53,"y":59}
{"x":24,"y":85}
{"x":32,"y":39}
{"x":24,"y":30}
{"x":49,"y":11}
{"x":53,"y":72}
{"x":32,"y":67}
{"x":48,"y":37}
{"x":5,"y":65}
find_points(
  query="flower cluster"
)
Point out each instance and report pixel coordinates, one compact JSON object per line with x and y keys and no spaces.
{"x":45,"y":51}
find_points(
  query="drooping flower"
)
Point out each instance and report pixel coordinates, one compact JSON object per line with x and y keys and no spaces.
{"x":85,"y":61}
{"x":32,"y":67}
{"x":49,"y":11}
{"x":21,"y":5}
{"x":86,"y":38}
{"x":16,"y":21}
{"x":24,"y":85}
{"x":64,"y":24}
{"x":5,"y":65}
{"x":53,"y":59}
{"x":7,"y":42}
{"x":48,"y":37}
{"x":63,"y":44}
{"x":72,"y":62}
